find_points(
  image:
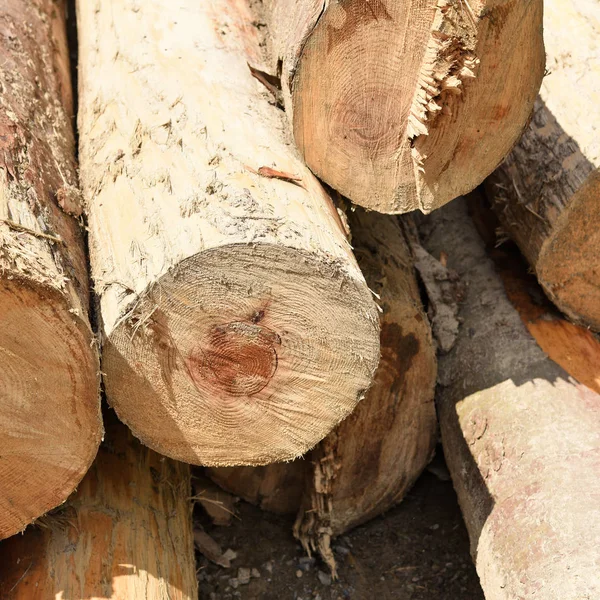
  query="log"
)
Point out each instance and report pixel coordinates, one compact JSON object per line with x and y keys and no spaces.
{"x":546,"y":192}
{"x":574,"y":347}
{"x":406,"y":105}
{"x":237,"y":327}
{"x":373,"y":457}
{"x":276,"y":488}
{"x":125,"y":535}
{"x":521,"y":437}
{"x":50,"y":422}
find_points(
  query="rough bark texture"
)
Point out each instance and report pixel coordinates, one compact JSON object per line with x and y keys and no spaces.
{"x":50,"y":423}
{"x":125,"y":535}
{"x":237,"y":327}
{"x":406,"y":105}
{"x":522,"y":438}
{"x":546,"y":192}
{"x":373,"y":457}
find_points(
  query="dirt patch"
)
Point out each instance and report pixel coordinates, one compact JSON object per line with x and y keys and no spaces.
{"x":417,"y":551}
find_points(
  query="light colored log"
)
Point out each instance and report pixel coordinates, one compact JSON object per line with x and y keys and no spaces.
{"x":50,"y":422}
{"x":406,"y":105}
{"x":546,"y":192}
{"x":237,"y":327}
{"x":521,"y":437}
{"x":125,"y":535}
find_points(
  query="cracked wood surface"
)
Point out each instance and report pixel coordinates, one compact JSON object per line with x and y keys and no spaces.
{"x":405,"y":105}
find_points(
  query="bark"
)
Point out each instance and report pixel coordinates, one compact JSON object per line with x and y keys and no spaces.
{"x":125,"y":535}
{"x":546,"y":192}
{"x":406,"y":105}
{"x":237,"y":327}
{"x":521,"y":437}
{"x":50,"y":422}
{"x":373,"y":457}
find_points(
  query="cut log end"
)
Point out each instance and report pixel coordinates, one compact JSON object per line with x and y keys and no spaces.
{"x":50,"y":422}
{"x":256,"y":365}
{"x":400,"y":106}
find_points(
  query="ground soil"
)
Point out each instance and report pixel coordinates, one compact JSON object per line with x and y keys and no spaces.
{"x":417,"y":551}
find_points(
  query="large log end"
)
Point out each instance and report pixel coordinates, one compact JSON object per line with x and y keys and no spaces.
{"x":50,"y":422}
{"x":255,"y":365}
{"x":404,"y":106}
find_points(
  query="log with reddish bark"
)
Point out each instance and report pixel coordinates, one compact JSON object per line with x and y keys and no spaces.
{"x":521,"y":437}
{"x":50,"y":422}
{"x":373,"y":457}
{"x":546,"y":192}
{"x":237,"y":327}
{"x":406,"y":105}
{"x":126,"y":534}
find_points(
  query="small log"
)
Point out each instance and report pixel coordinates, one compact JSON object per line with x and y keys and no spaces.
{"x":125,"y":535}
{"x":546,"y":192}
{"x":237,"y":326}
{"x":521,"y":437}
{"x":50,"y":422}
{"x":276,"y":488}
{"x":373,"y":457}
{"x":406,"y":105}
{"x":574,"y":347}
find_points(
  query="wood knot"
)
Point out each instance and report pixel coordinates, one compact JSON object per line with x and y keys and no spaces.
{"x":238,"y":358}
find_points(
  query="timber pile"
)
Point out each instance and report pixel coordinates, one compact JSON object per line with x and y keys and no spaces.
{"x":301,"y":350}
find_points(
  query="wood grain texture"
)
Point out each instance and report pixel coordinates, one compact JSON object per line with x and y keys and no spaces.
{"x":237,"y":327}
{"x":546,"y":192}
{"x":521,"y":437}
{"x":50,"y":423}
{"x":406,"y":105}
{"x":368,"y":463}
{"x":125,"y":535}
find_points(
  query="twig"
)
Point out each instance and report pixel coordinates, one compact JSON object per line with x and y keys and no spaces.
{"x":38,"y":234}
{"x":20,"y":578}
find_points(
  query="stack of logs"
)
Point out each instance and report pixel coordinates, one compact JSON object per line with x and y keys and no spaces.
{"x":244,"y":319}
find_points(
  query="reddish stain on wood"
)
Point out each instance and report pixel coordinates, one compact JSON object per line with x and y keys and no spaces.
{"x":238,"y":358}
